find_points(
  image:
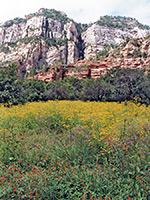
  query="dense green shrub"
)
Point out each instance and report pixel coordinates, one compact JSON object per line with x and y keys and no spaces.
{"x":102,"y":54}
{"x":54,"y":42}
{"x":4,"y":48}
{"x":135,"y":42}
{"x":16,"y":20}
{"x":120,"y":22}
{"x":54,"y":14}
{"x":117,"y":85}
{"x":128,"y":84}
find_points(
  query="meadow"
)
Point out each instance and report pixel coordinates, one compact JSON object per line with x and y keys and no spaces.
{"x":60,"y":150}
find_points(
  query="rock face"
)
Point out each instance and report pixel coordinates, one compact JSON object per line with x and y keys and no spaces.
{"x":111,"y":31}
{"x":44,"y":23}
{"x":49,"y":37}
{"x":45,"y":37}
{"x":133,"y":54}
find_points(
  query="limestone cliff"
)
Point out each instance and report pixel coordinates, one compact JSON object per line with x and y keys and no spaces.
{"x":132,"y":53}
{"x":111,"y":31}
{"x":45,"y":37}
{"x":49,"y":37}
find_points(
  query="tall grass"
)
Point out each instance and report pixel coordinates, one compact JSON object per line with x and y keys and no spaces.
{"x":74,"y":150}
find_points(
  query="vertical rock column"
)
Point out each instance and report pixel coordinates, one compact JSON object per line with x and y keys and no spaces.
{"x":72,"y":36}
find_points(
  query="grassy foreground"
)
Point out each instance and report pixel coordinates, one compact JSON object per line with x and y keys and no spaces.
{"x":75,"y":150}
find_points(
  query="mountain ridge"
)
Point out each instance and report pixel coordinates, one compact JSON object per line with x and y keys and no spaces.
{"x":48,"y":37}
{"x":132,"y":53}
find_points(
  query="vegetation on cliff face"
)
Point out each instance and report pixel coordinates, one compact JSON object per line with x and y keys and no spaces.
{"x":53,"y":149}
{"x":8,"y":47}
{"x":16,"y":21}
{"x":48,"y":13}
{"x":103,"y":54}
{"x":4,"y":48}
{"x":120,"y":22}
{"x":52,"y":26}
{"x":130,"y":48}
{"x":55,"y":42}
{"x":53,"y":14}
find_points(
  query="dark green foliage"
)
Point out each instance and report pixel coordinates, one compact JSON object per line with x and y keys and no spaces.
{"x":135,"y":42}
{"x":34,"y":90}
{"x":50,"y":41}
{"x":137,"y":53}
{"x":54,"y":42}
{"x":128,"y":84}
{"x":16,"y":20}
{"x":2,"y":64}
{"x":11,"y":44}
{"x":4,"y":48}
{"x":81,"y":27}
{"x":74,"y":87}
{"x":11,"y":72}
{"x":10,"y":88}
{"x":69,"y":88}
{"x":95,"y":90}
{"x":126,"y":41}
{"x":120,"y":22}
{"x":19,"y":91}
{"x":102,"y":54}
{"x":27,"y":40}
{"x":57,"y":90}
{"x":144,"y":55}
{"x":117,"y":85}
{"x":33,"y":39}
{"x":8,"y":23}
{"x":143,"y":26}
{"x":54,"y":14}
{"x":33,"y":72}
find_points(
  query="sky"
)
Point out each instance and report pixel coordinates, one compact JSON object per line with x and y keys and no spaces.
{"x":84,"y":11}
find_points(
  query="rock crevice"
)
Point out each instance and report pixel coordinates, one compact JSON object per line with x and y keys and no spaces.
{"x":50,"y":37}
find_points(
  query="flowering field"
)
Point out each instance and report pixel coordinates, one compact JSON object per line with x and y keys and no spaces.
{"x":75,"y":150}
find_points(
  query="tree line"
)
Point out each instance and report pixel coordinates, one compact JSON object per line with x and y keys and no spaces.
{"x":117,"y":85}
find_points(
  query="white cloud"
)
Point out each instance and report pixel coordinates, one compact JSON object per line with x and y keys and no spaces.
{"x":84,"y":11}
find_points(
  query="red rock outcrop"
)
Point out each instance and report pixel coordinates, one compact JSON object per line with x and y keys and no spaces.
{"x":90,"y":69}
{"x":95,"y":68}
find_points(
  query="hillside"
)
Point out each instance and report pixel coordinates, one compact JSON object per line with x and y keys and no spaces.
{"x":111,"y":31}
{"x":132,"y":53}
{"x":49,"y":37}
